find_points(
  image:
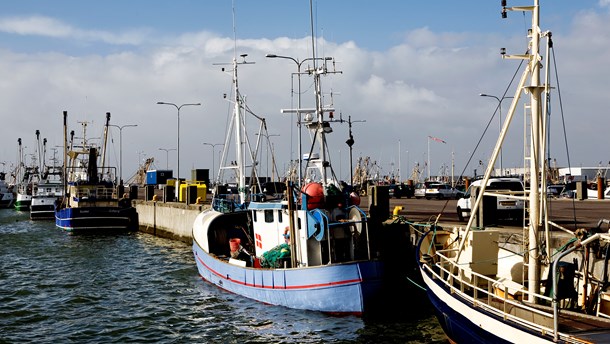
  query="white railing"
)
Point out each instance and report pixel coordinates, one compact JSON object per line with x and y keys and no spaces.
{"x":480,"y":293}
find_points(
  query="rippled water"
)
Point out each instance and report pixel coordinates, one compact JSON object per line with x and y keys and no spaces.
{"x":61,"y":288}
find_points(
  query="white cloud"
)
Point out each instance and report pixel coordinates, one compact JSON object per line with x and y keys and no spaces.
{"x":50,"y":27}
{"x":428,"y":85}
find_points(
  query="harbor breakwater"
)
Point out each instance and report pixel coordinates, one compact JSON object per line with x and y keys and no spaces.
{"x":171,"y":220}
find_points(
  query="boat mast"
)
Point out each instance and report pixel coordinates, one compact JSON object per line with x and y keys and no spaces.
{"x":239,"y":128}
{"x":105,"y":141}
{"x":39,"y":151}
{"x":65,"y":164}
{"x":536,"y":196}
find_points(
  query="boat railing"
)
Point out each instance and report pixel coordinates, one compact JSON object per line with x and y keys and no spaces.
{"x":493,"y":295}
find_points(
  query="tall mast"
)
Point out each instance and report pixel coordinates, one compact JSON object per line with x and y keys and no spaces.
{"x":104,"y":142}
{"x":239,"y":128}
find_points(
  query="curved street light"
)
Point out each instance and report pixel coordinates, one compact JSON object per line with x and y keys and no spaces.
{"x":178,"y":107}
{"x":167,"y":150}
{"x":121,"y":146}
{"x":213,"y":163}
{"x":500,"y":120}
{"x":298,"y":63}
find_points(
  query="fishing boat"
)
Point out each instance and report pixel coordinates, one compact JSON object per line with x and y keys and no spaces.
{"x":6,"y":195}
{"x":549,"y":287}
{"x":305,"y":246}
{"x":26,"y":177}
{"x":48,"y":191}
{"x":91,"y":202}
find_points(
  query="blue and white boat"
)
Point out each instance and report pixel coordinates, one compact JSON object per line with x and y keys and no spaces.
{"x":305,"y":247}
{"x":552,"y":286}
{"x":91,"y":202}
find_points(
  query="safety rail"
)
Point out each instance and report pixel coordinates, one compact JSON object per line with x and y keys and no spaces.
{"x":480,"y":293}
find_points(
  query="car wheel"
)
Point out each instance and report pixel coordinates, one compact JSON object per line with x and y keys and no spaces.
{"x":460,"y":215}
{"x":440,"y":197}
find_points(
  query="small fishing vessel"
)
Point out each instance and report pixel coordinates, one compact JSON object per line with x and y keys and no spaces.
{"x":91,"y":202}
{"x":6,"y":196}
{"x":303,"y":246}
{"x":551,"y":286}
{"x":26,"y":177}
{"x":48,"y":191}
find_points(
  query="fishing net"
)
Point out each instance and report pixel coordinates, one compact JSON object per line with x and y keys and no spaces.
{"x":274,"y":257}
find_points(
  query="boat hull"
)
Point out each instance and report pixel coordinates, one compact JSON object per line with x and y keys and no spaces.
{"x":96,"y":219}
{"x":337,"y":288}
{"x":6,"y":201}
{"x":43,"y":208}
{"x":23,"y":202}
{"x":465,"y":324}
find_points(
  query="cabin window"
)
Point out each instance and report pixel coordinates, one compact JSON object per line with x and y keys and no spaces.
{"x":268,"y":216}
{"x":254,"y":216}
{"x":279,"y":216}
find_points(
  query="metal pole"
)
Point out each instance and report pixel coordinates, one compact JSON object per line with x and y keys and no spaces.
{"x":178,"y":148}
{"x":213,"y":155}
{"x":499,"y":121}
{"x":167,"y":156}
{"x":121,"y":146}
{"x":298,"y":63}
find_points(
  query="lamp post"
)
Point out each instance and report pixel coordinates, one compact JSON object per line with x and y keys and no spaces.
{"x":500,"y":120}
{"x":178,"y":147}
{"x":298,"y":63}
{"x":121,"y":146}
{"x":167,"y":150}
{"x":213,"y":164}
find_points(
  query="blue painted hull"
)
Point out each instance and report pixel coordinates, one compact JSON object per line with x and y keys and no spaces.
{"x":337,"y":288}
{"x":94,"y":219}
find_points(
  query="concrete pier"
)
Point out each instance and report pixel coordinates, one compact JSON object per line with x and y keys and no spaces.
{"x":171,"y":220}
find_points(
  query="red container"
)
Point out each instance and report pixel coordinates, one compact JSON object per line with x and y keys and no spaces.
{"x":234,"y":244}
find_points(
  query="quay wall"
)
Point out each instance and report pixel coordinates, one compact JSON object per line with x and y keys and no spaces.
{"x":171,"y":220}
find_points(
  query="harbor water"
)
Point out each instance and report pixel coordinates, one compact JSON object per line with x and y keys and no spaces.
{"x":62,"y":288}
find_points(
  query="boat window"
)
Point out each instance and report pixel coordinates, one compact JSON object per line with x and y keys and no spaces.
{"x":254,"y":216}
{"x":268,"y":216}
{"x":279,"y":216}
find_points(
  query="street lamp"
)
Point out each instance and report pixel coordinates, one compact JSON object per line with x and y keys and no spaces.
{"x":500,"y":120}
{"x":213,"y":163}
{"x":298,"y":63}
{"x":178,"y":150}
{"x":167,"y":150}
{"x":121,"y":146}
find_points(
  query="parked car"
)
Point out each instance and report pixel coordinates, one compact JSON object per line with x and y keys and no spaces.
{"x":442,"y":191}
{"x":420,"y":190}
{"x":506,"y":207}
{"x":401,"y":190}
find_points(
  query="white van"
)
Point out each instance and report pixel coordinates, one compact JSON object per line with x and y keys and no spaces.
{"x":506,"y":207}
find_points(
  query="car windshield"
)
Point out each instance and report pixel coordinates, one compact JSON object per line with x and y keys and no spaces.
{"x":506,"y":185}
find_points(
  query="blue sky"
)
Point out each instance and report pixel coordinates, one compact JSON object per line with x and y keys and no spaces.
{"x":410,"y":70}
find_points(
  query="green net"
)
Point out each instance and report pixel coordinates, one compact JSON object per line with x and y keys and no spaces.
{"x":272,"y":258}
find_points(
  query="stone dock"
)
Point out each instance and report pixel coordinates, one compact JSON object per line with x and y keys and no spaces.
{"x":173,"y":220}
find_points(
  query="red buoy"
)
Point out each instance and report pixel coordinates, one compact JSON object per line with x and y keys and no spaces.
{"x":315,"y":195}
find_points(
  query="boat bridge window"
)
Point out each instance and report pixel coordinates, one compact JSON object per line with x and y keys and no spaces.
{"x":279,"y":216}
{"x":268,"y":216}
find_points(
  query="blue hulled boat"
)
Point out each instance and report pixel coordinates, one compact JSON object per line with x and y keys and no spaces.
{"x":91,"y":202}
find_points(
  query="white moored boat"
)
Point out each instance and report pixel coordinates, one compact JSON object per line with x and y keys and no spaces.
{"x":552,"y":286}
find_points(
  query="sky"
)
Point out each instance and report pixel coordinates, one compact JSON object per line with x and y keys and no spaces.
{"x":407,"y":71}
